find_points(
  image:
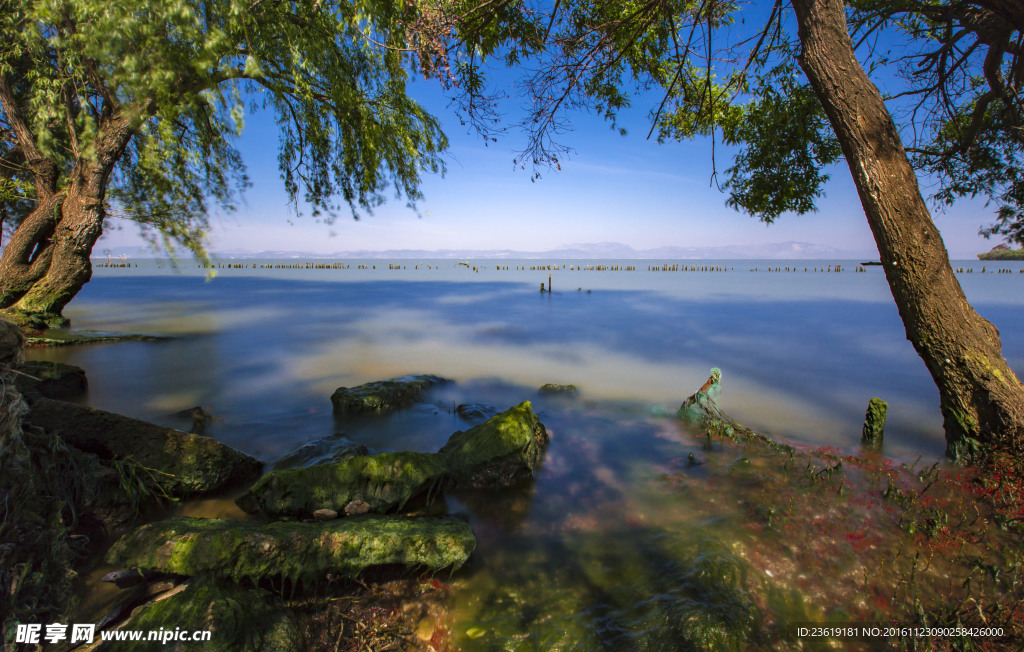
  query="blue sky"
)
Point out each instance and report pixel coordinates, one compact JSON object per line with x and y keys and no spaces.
{"x":611,"y":189}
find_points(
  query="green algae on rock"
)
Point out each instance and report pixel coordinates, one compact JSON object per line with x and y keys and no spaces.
{"x":874,"y":423}
{"x":382,"y":395}
{"x":183,"y":464}
{"x":295,"y":551}
{"x":551,"y":388}
{"x":501,"y":452}
{"x":236,"y":618}
{"x":386,"y":481}
{"x":50,"y":379}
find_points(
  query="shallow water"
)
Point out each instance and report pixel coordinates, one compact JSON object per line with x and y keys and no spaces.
{"x":596,"y":552}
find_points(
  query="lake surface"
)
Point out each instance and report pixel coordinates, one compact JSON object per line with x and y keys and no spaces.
{"x":801,"y":352}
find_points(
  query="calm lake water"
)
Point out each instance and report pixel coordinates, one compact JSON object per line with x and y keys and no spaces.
{"x":800,"y":352}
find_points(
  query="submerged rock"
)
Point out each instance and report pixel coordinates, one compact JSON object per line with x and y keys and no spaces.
{"x":384,"y":482}
{"x":237,"y":619}
{"x":335,"y":448}
{"x":501,"y":452}
{"x":475,"y":411}
{"x":182,"y":464}
{"x":551,"y":388}
{"x":383,"y":395}
{"x":50,"y":379}
{"x":297,"y":551}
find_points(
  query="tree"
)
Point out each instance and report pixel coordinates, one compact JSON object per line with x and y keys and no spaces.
{"x":133,"y":106}
{"x":795,"y":106}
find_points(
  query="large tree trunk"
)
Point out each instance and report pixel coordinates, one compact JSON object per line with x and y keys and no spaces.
{"x":982,"y":399}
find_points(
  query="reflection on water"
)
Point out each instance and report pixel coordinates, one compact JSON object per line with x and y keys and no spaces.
{"x":595,"y":552}
{"x":802,"y":352}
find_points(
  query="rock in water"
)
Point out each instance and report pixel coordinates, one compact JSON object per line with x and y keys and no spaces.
{"x":551,"y":388}
{"x":237,"y":618}
{"x":501,"y":452}
{"x":296,"y":551}
{"x":475,"y":411}
{"x":385,"y":482}
{"x":50,"y":379}
{"x":334,"y":448}
{"x":185,"y":465}
{"x":874,"y":423}
{"x":383,"y":395}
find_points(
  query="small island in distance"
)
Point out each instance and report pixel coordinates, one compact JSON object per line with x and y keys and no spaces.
{"x":1002,"y":252}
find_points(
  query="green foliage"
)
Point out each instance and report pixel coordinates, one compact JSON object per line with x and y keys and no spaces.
{"x":178,"y":76}
{"x":140,"y":484}
{"x":788,"y":142}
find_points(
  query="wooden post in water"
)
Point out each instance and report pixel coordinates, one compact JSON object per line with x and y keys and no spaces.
{"x":549,"y":283}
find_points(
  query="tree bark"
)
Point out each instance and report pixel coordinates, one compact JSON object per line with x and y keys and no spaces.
{"x":982,"y":400}
{"x":47,"y":263}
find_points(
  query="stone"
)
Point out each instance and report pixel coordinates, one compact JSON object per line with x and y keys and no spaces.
{"x":874,"y":423}
{"x":386,"y":482}
{"x":551,"y":388}
{"x":325,"y":514}
{"x":475,"y":411}
{"x":382,"y":396}
{"x":182,"y":464}
{"x":502,"y":452}
{"x":335,"y":448}
{"x":237,"y":619}
{"x":245,"y":549}
{"x":357,"y":507}
{"x":40,"y":378}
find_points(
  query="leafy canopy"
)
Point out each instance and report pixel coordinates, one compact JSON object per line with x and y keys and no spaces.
{"x":181,"y":75}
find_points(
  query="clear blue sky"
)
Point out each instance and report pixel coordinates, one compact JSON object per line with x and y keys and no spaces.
{"x":612,"y":189}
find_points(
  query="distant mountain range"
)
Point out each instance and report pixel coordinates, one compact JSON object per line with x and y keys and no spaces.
{"x":600,"y":250}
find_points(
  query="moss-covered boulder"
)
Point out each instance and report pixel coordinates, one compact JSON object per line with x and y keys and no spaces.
{"x":384,"y":482}
{"x":502,"y":452}
{"x":183,"y":464}
{"x":552,"y":388}
{"x":296,"y":551}
{"x":237,"y":619}
{"x":383,"y":395}
{"x":57,"y":380}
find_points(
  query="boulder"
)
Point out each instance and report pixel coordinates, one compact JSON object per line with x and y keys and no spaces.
{"x":334,"y":448}
{"x":502,"y":452}
{"x":385,"y":482}
{"x":551,"y":388}
{"x":57,"y":380}
{"x":237,"y":619}
{"x":383,"y":395}
{"x":295,"y":551}
{"x":183,"y":464}
{"x":475,"y":411}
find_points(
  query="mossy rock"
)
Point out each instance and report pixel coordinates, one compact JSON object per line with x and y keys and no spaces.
{"x":502,"y":452}
{"x":34,"y":321}
{"x":295,"y":551}
{"x":384,"y":482}
{"x":874,"y":423}
{"x":565,"y":390}
{"x":383,"y":395}
{"x":183,"y":464}
{"x":56,"y":380}
{"x":237,"y":619}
